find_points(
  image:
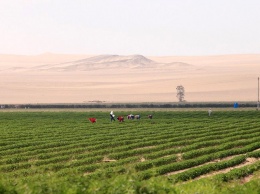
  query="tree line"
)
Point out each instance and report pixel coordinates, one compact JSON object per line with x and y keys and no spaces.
{"x":133,"y":105}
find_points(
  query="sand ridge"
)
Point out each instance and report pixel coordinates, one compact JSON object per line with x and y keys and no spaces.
{"x":57,"y":78}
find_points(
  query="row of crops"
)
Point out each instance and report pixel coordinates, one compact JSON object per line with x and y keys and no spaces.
{"x":40,"y":150}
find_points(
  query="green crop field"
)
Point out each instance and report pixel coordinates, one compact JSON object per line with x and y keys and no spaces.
{"x":175,"y":152}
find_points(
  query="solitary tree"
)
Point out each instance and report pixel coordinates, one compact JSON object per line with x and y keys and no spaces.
{"x":180,"y":93}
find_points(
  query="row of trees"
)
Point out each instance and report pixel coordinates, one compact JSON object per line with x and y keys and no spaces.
{"x":132,"y":105}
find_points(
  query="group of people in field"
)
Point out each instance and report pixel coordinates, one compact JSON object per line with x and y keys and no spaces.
{"x":130,"y":117}
{"x":119,"y":118}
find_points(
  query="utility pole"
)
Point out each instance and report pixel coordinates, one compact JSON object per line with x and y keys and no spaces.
{"x":258,"y":96}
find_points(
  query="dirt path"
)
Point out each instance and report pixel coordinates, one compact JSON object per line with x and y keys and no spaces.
{"x":214,"y":161}
{"x":246,"y":163}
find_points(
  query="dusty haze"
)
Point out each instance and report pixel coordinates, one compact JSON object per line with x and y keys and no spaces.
{"x":57,"y":78}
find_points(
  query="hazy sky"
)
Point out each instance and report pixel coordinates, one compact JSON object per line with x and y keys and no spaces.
{"x":148,"y":27}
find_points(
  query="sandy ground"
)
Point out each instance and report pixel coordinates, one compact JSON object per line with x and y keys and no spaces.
{"x":53,"y":78}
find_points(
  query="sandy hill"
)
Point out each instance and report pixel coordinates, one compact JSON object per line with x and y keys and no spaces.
{"x":100,"y":62}
{"x":58,"y":78}
{"x":52,"y":62}
{"x":130,"y":59}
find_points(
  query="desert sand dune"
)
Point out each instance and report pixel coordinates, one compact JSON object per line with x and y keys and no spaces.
{"x":99,"y":62}
{"x":54,"y":78}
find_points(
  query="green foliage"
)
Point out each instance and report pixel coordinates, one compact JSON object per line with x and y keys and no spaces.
{"x":198,"y":171}
{"x":62,"y":152}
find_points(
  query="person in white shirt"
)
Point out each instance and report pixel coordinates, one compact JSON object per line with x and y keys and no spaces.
{"x":112,"y":116}
{"x":210,"y":111}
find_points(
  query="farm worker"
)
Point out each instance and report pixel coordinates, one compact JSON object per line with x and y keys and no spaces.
{"x":120,"y":118}
{"x":210,"y":111}
{"x":112,"y":116}
{"x":131,"y":116}
{"x":137,"y":116}
{"x":92,"y":120}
